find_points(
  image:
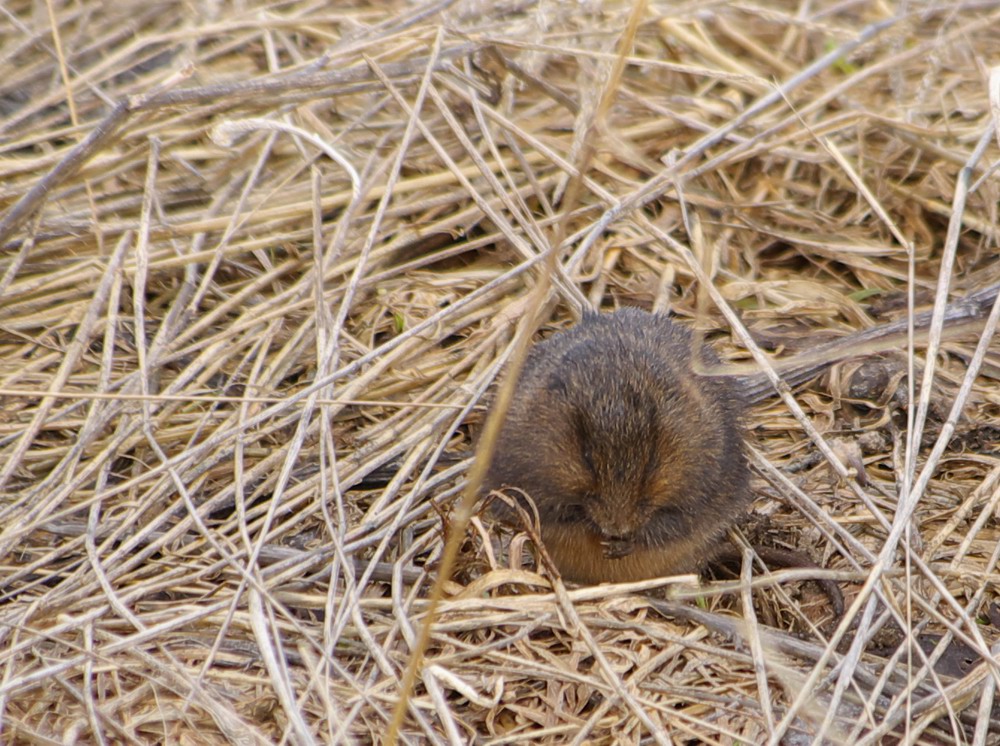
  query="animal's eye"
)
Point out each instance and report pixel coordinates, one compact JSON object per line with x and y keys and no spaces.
{"x":556,"y":384}
{"x":665,"y":511}
{"x":572,"y":512}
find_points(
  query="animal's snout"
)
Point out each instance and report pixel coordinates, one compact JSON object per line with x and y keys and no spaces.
{"x":614,"y":536}
{"x":612,"y":525}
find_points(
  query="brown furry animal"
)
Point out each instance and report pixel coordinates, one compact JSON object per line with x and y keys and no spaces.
{"x":635,"y":462}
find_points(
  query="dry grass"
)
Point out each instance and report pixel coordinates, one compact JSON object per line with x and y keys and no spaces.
{"x":239,"y":388}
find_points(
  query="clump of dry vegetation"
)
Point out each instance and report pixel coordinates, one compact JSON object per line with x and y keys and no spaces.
{"x":261,"y":264}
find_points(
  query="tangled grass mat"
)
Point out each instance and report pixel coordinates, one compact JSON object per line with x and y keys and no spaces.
{"x":261,"y":265}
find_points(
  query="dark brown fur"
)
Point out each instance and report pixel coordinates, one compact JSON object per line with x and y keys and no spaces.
{"x":635,"y":462}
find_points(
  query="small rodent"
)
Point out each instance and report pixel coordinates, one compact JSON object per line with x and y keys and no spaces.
{"x":635,"y":461}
